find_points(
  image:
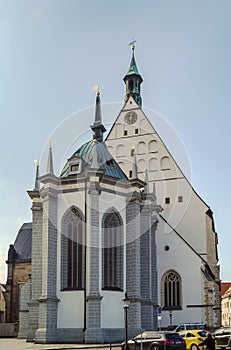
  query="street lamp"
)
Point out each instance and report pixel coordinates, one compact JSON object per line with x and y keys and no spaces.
{"x":126,"y":307}
{"x":170,"y":316}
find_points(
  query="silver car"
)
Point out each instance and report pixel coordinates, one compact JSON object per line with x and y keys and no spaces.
{"x":223,"y":337}
{"x":156,"y":340}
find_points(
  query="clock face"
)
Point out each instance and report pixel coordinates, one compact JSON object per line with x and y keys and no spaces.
{"x":130,"y":117}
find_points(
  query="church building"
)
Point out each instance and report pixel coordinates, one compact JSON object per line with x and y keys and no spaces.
{"x":186,"y":240}
{"x":121,"y":218}
{"x":93,"y":240}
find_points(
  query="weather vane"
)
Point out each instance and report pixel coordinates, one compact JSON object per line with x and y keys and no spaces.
{"x":132,"y":43}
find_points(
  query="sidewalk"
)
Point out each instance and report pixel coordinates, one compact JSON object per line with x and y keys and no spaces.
{"x":21,"y":344}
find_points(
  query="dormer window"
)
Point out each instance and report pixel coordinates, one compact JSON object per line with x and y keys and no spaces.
{"x":74,"y":167}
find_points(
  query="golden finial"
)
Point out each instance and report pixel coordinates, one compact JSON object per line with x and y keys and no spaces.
{"x":132,"y":44}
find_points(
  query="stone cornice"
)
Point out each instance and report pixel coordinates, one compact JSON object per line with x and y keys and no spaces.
{"x":33,"y":194}
{"x":137,"y":183}
{"x":44,"y":299}
{"x":49,"y":178}
{"x":94,"y":297}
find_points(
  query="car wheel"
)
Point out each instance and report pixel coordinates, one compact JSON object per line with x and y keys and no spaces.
{"x":194,"y":347}
{"x":155,"y":347}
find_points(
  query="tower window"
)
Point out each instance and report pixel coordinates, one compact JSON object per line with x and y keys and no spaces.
{"x":130,"y":173}
{"x":125,"y":132}
{"x":180,"y":199}
{"x":167,"y":200}
{"x":136,"y":131}
{"x":130,"y":85}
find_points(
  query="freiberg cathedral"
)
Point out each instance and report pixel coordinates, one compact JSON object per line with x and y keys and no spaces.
{"x":120,"y":218}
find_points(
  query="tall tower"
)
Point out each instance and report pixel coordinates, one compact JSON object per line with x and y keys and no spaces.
{"x":133,"y":81}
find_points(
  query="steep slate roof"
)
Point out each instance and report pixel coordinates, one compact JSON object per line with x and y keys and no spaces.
{"x":22,"y":244}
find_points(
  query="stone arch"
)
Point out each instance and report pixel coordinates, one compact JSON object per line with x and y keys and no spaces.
{"x":165,"y":163}
{"x":120,"y":150}
{"x":152,"y":146}
{"x":141,"y":165}
{"x":153,"y":164}
{"x":171,"y":290}
{"x":72,"y":249}
{"x":141,"y":148}
{"x":113,"y":250}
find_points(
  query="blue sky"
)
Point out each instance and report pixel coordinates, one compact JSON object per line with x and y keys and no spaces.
{"x":53,"y":52}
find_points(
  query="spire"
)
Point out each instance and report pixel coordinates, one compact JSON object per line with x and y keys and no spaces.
{"x":36,"y":184}
{"x":98,"y":117}
{"x":98,"y":128}
{"x":154,"y":192}
{"x":134,"y":169}
{"x":50,"y":169}
{"x":133,"y":80}
{"x":133,"y":67}
{"x":146,"y":191}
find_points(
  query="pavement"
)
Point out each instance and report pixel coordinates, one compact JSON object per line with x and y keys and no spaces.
{"x":21,"y":344}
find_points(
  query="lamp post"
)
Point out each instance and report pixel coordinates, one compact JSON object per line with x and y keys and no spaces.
{"x":170,"y":316}
{"x":126,"y":307}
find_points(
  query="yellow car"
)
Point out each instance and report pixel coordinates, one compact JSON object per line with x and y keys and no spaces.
{"x":193,"y":338}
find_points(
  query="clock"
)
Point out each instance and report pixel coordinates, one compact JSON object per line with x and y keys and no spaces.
{"x":130,"y":118}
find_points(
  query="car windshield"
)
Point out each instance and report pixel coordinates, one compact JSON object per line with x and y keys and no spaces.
{"x":195,"y":326}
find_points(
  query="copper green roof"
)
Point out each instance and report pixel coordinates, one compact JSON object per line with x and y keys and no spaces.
{"x":96,"y":155}
{"x":133,"y":67}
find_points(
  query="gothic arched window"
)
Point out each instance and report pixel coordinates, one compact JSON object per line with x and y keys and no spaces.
{"x":112,"y":256}
{"x":171,"y":287}
{"x":72,"y":250}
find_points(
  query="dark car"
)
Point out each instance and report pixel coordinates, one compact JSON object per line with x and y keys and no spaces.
{"x":157,"y":340}
{"x":223,"y":337}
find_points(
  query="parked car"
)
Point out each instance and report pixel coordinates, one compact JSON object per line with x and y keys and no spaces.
{"x":223,"y":337}
{"x":193,"y":338}
{"x":188,"y":326}
{"x":156,"y":340}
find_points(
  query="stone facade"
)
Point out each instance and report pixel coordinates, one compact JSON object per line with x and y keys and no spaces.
{"x":185,"y":232}
{"x":2,"y":303}
{"x":140,"y":212}
{"x":71,"y":295}
{"x":19,"y":271}
{"x":87,"y":253}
